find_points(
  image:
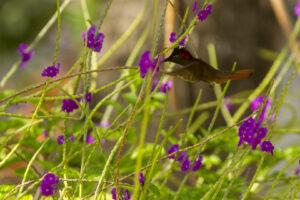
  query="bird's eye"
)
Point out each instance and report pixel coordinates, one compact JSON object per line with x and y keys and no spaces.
{"x":185,"y":55}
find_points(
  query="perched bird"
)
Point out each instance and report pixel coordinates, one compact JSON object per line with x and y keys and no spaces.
{"x":193,"y":69}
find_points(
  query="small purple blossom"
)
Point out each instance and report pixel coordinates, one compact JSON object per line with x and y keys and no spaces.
{"x":297,"y":9}
{"x":126,"y":195}
{"x":204,"y":13}
{"x":88,"y":97}
{"x":141,"y":178}
{"x":72,"y":137}
{"x":267,"y":146}
{"x":166,"y":86}
{"x":90,"y":139}
{"x":247,"y":131}
{"x":208,"y":9}
{"x":114,"y":193}
{"x":195,"y":6}
{"x":45,"y":133}
{"x":183,"y":41}
{"x":104,"y":124}
{"x":69,"y":105}
{"x":146,"y":63}
{"x":228,"y":103}
{"x":171,"y":151}
{"x":24,"y":54}
{"x":94,"y":39}
{"x":182,"y":156}
{"x":47,"y":190}
{"x":50,"y":179}
{"x":172,"y":37}
{"x":255,"y":104}
{"x":60,"y":139}
{"x":197,"y":164}
{"x":51,"y":71}
{"x":185,"y":165}
{"x":297,"y":171}
{"x":48,"y":184}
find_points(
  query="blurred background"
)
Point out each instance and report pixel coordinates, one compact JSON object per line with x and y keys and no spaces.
{"x":247,"y":32}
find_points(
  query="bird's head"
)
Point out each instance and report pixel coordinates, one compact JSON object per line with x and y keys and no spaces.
{"x":179,"y":56}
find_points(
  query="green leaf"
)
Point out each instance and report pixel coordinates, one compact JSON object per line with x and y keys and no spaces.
{"x":154,"y":189}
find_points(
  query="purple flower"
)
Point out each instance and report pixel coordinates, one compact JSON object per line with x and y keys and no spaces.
{"x":60,"y":139}
{"x":24,"y":54}
{"x":172,"y":37}
{"x":47,"y":190}
{"x":208,"y":9}
{"x":90,"y":139}
{"x":88,"y":97}
{"x":126,"y":195}
{"x":50,"y":179}
{"x":94,"y":39}
{"x":297,"y":171}
{"x":182,"y":156}
{"x":255,"y":104}
{"x":51,"y":71}
{"x":146,"y":63}
{"x":174,"y":148}
{"x":166,"y":86}
{"x":267,"y":146}
{"x":72,"y":137}
{"x":114,"y":193}
{"x":197,"y":164}
{"x":45,"y":133}
{"x":204,"y":13}
{"x":69,"y":105}
{"x":48,"y":184}
{"x":183,"y":41}
{"x":195,"y":6}
{"x":104,"y":124}
{"x":228,"y":103}
{"x":141,"y":178}
{"x":297,"y":9}
{"x":247,"y":131}
{"x":185,"y":165}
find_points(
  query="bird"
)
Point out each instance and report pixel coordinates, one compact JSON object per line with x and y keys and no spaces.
{"x":194,"y":70}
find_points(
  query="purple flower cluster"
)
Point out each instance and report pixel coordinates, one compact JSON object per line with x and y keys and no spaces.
{"x":24,"y":54}
{"x":204,"y":13}
{"x":146,"y":63}
{"x":60,"y":139}
{"x":69,"y":105}
{"x":49,"y":184}
{"x":114,"y":194}
{"x":251,"y":132}
{"x":88,"y":97}
{"x":297,"y":9}
{"x":51,"y":71}
{"x":72,"y":137}
{"x":94,"y":39}
{"x":183,"y":158}
{"x":173,"y":37}
{"x":89,"y":139}
{"x":141,"y":178}
{"x":164,"y":87}
{"x":257,"y":102}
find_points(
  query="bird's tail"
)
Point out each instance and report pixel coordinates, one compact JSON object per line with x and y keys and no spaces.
{"x":236,"y":75}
